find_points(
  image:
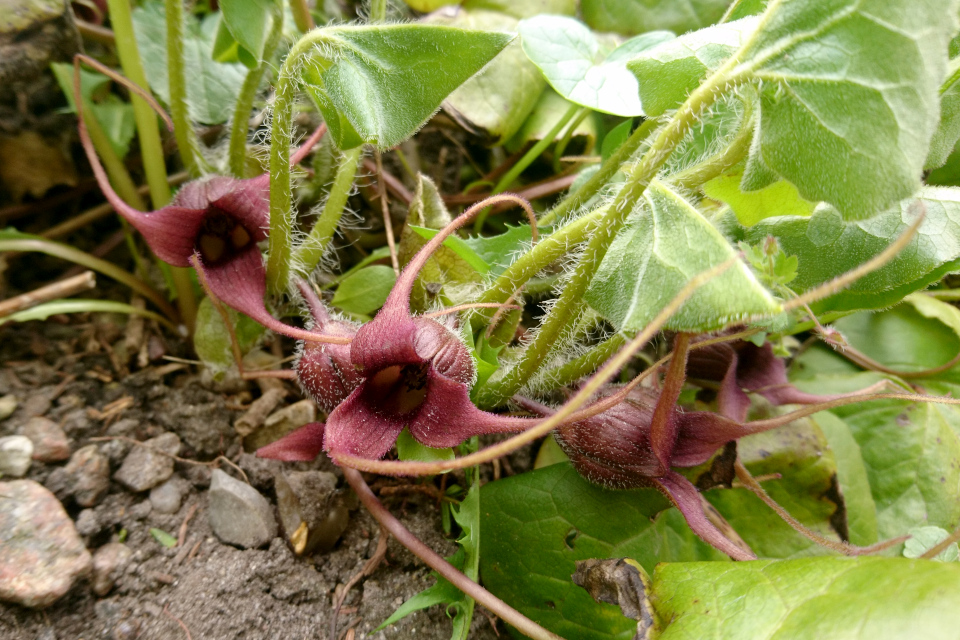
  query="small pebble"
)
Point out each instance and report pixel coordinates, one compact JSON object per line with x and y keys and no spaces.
{"x":238,"y":514}
{"x":41,"y":555}
{"x":50,"y":443}
{"x":88,"y":524}
{"x":89,"y":471}
{"x":16,"y":453}
{"x":108,"y":563}
{"x":145,"y":466}
{"x":166,"y":497}
{"x":8,"y":404}
{"x":280,"y":423}
{"x":312,"y":512}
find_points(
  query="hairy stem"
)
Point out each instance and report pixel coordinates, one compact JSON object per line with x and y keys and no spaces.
{"x":693,"y":177}
{"x":568,"y":136}
{"x":248,"y":92}
{"x":310,"y":253}
{"x":570,"y":302}
{"x":151,"y":147}
{"x":433,"y":560}
{"x":301,"y":16}
{"x":187,"y":142}
{"x":586,"y":364}
{"x":378,"y":11}
{"x":607,"y":170}
{"x":663,"y":425}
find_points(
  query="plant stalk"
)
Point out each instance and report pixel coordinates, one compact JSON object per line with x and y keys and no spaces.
{"x":310,"y":253}
{"x":301,"y":17}
{"x":151,"y":147}
{"x":433,"y":560}
{"x":248,"y":92}
{"x":187,"y":142}
{"x":570,"y":303}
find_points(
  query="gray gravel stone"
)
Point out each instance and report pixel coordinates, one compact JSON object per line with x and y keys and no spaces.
{"x":41,"y":554}
{"x":166,"y":497}
{"x":108,"y":563}
{"x":89,"y":473}
{"x":145,"y":467}
{"x":88,"y":524}
{"x":8,"y":404}
{"x":16,"y":453}
{"x":238,"y":514}
{"x":50,"y":443}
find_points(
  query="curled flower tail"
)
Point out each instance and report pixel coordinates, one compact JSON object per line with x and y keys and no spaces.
{"x":686,"y":499}
{"x":301,"y":445}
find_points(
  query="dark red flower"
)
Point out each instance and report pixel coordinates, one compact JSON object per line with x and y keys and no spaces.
{"x":213,"y":224}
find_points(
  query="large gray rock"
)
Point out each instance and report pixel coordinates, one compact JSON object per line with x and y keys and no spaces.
{"x":238,"y":514}
{"x":16,"y":453}
{"x":41,"y":554}
{"x":146,"y":466}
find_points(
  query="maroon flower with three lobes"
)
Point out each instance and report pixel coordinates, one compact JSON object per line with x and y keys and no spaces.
{"x":415,"y":373}
{"x":213,"y":224}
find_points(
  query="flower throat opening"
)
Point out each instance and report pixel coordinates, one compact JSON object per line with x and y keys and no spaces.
{"x":400,"y":390}
{"x":221,"y":237}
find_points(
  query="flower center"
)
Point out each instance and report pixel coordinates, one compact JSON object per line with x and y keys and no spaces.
{"x":221,"y":237}
{"x":400,"y":389}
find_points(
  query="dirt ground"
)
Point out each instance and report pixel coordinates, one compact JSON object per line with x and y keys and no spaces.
{"x":70,"y":372}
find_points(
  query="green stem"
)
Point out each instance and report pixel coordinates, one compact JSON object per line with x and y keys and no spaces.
{"x":248,"y":93}
{"x":510,"y":176}
{"x":695,"y":176}
{"x":378,"y":11}
{"x":301,"y":17}
{"x":116,"y":170}
{"x":567,"y":137}
{"x":281,"y":195}
{"x":187,"y":142}
{"x":586,"y":364}
{"x":541,"y":256}
{"x":151,"y":147}
{"x":108,"y":269}
{"x":310,"y":253}
{"x":607,"y":170}
{"x":570,"y":303}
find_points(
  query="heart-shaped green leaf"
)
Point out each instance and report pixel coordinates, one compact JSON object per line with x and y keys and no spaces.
{"x":826,"y":247}
{"x":666,"y":244}
{"x":575,"y":64}
{"x":249,"y":23}
{"x":379,"y":84}
{"x":887,"y":57}
{"x":365,"y":291}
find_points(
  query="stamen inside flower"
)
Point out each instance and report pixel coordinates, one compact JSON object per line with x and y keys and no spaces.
{"x":221,"y":237}
{"x":402,"y":389}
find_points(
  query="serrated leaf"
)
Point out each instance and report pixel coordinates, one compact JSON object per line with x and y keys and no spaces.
{"x":494,"y":104}
{"x":948,"y":131}
{"x":630,"y":17}
{"x":810,"y":598}
{"x":667,"y":73}
{"x":778,"y":199}
{"x":814,"y":60}
{"x":249,"y":22}
{"x":580,"y":69}
{"x":668,"y":242}
{"x":499,"y":251}
{"x":365,"y":291}
{"x":538,"y":524}
{"x":211,"y":340}
{"x":212,"y":87}
{"x":458,"y":246}
{"x":827,"y":246}
{"x":360,"y":75}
